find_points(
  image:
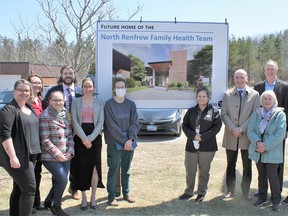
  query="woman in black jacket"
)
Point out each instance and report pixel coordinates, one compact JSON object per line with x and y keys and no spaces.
{"x":19,"y":147}
{"x":201,"y":124}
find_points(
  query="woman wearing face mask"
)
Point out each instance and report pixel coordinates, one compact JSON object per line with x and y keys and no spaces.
{"x":87,"y":118}
{"x":120,"y":131}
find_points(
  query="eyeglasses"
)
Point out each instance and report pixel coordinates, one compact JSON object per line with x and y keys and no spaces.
{"x":120,"y":88}
{"x":23,"y":90}
{"x":57,"y":100}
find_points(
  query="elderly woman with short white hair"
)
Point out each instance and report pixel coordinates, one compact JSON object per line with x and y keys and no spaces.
{"x":266,"y":131}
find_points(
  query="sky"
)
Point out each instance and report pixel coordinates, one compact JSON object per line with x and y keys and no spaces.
{"x":245,"y":17}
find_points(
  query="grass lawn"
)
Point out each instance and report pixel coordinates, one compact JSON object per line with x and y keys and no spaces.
{"x":157,"y":179}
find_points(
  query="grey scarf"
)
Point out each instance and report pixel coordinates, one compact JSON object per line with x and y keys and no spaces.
{"x":266,"y":116}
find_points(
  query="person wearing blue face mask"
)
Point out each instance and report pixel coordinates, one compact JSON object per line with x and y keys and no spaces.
{"x":120,"y":131}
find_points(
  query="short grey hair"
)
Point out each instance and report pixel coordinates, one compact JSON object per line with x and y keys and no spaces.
{"x":272,"y":94}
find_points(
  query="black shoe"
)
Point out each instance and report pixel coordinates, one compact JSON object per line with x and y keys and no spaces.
{"x":199,"y":198}
{"x":39,"y":207}
{"x":256,"y":194}
{"x":285,"y":201}
{"x":83,"y":208}
{"x":185,"y":196}
{"x":260,"y":203}
{"x":93,"y":206}
{"x":33,"y":211}
{"x":276,"y":207}
{"x":59,"y":211}
{"x":48,"y":206}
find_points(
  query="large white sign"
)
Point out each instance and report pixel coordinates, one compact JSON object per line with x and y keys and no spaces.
{"x":163,"y":62}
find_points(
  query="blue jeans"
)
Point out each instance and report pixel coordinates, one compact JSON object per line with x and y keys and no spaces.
{"x":59,"y":171}
{"x":116,"y":158}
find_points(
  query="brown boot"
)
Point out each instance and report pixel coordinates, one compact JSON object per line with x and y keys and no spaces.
{"x":128,"y":199}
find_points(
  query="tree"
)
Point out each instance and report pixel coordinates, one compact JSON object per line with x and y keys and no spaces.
{"x":69,"y":28}
{"x":138,"y":71}
{"x":7,"y":49}
{"x":201,"y":65}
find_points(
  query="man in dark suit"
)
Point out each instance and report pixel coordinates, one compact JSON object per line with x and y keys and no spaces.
{"x":67,"y":85}
{"x":281,"y":90}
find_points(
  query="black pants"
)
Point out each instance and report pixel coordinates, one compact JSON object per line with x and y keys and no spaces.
{"x":280,"y":169}
{"x":37,"y":171}
{"x":231,"y":171}
{"x":23,"y":192}
{"x":71,"y":175}
{"x":268,"y":171}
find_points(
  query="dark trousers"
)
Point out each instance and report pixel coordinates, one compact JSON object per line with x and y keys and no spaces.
{"x":118,"y":182}
{"x":268,"y":171}
{"x":280,"y":173}
{"x":23,"y":192}
{"x":116,"y":158}
{"x":231,"y":171}
{"x":280,"y":169}
{"x":37,"y":171}
{"x":71,"y":175}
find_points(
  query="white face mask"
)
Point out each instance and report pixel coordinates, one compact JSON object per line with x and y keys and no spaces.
{"x":120,"y":92}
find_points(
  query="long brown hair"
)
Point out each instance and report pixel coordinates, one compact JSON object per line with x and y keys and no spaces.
{"x":40,"y":93}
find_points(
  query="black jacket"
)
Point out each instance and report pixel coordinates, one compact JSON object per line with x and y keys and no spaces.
{"x":210,"y":125}
{"x":11,"y":127}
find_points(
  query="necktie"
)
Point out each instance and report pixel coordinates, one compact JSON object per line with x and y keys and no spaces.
{"x":69,"y":99}
{"x":240,"y":94}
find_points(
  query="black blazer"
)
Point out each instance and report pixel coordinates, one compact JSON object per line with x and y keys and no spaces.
{"x":281,"y":91}
{"x":77,"y":89}
{"x":11,"y":127}
{"x":210,"y":125}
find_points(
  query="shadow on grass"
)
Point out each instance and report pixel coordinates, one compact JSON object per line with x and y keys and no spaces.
{"x":216,"y":206}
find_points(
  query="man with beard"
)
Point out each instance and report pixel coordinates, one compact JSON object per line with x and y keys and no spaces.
{"x":67,"y":85}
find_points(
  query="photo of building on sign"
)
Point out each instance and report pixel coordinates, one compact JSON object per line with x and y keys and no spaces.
{"x":163,"y":71}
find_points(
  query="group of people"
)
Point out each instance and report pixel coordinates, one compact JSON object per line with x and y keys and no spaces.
{"x":255,"y":124}
{"x":63,"y":132}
